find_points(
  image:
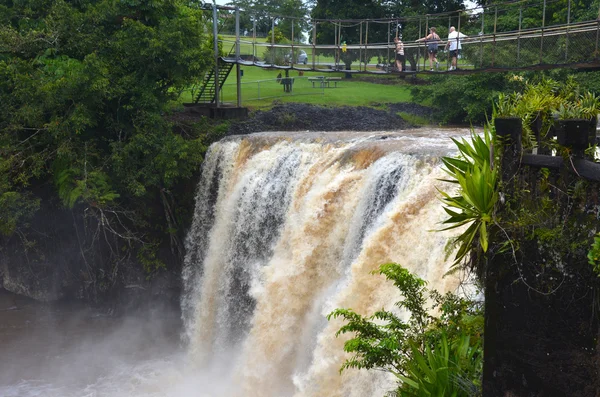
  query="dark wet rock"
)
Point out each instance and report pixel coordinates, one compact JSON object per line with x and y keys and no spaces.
{"x":300,"y":116}
{"x":411,"y":108}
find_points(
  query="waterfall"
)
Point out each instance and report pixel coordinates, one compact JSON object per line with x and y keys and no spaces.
{"x":288,"y":227}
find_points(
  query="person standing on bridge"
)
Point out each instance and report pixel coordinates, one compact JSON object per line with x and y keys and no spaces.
{"x":454,"y":45}
{"x":432,"y":40}
{"x":399,"y":53}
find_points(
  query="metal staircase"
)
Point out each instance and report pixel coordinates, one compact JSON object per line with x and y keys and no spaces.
{"x":207,"y":93}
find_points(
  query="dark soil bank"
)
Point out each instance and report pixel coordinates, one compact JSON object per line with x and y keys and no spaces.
{"x":300,"y":116}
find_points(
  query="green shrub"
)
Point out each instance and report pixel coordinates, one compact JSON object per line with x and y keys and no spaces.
{"x":383,"y":341}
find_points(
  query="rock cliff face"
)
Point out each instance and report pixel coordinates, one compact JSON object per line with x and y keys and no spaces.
{"x":62,"y":257}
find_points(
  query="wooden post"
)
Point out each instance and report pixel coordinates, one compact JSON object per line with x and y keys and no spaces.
{"x":542,"y":37}
{"x":448,"y":59}
{"x":426,"y":32}
{"x":519,"y":37}
{"x":314,"y":44}
{"x":494,"y":45}
{"x":254,"y":39}
{"x":481,"y":38}
{"x":418,"y":48}
{"x":216,"y":49}
{"x":508,"y":132}
{"x":576,"y":135}
{"x":366,"y":45}
{"x":292,"y":60}
{"x":388,"y":44}
{"x":238,"y":77}
{"x":272,"y":41}
{"x":360,"y":48}
{"x":597,"y":34}
{"x":567,"y":33}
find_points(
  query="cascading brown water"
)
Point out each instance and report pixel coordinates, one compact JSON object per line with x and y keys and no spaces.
{"x":291,"y":229}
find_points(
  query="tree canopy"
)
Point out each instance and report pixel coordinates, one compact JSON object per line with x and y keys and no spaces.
{"x":85,"y":88}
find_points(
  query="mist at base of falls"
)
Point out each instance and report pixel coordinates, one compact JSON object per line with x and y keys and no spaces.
{"x":287,"y":227}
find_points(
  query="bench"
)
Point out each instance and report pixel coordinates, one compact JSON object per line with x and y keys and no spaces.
{"x":319,"y":79}
{"x":333,"y":80}
{"x":324,"y":81}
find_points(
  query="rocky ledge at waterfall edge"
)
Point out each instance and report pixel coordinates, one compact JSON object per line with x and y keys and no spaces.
{"x":300,"y":116}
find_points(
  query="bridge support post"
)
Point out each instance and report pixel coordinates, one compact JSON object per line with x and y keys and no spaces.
{"x":519,"y":38}
{"x":494,"y":45}
{"x":426,"y":55}
{"x":448,"y":57}
{"x":388,"y":46}
{"x":360,"y":53}
{"x":597,"y":34}
{"x":216,"y":49}
{"x":419,"y":47}
{"x":366,"y":45}
{"x":481,"y":38}
{"x":542,"y":37}
{"x":314,"y":43}
{"x":254,"y":39}
{"x":567,"y":33}
{"x":238,"y":77}
{"x":272,"y":41}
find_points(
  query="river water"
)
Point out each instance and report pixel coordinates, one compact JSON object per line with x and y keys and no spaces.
{"x":287,"y":227}
{"x":64,"y":350}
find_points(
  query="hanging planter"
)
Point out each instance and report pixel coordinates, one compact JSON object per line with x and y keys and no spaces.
{"x":510,"y":127}
{"x":576,"y":134}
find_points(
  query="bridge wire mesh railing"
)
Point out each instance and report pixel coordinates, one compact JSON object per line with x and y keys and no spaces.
{"x":516,"y":35}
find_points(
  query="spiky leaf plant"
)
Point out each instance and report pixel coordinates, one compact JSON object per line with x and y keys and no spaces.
{"x":477,"y":194}
{"x":444,"y":369}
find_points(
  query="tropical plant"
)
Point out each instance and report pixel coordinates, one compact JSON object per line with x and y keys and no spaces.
{"x":506,"y":105}
{"x":444,"y":369}
{"x":594,"y":254}
{"x":473,"y":205}
{"x":586,"y":106}
{"x":424,"y":352}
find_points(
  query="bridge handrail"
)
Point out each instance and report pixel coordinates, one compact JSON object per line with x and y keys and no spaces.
{"x":553,"y":30}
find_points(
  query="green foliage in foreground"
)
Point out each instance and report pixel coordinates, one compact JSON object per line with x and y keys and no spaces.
{"x":85,"y":89}
{"x":430,"y":356}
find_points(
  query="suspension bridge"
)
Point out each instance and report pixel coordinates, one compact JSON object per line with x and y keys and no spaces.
{"x":506,"y":37}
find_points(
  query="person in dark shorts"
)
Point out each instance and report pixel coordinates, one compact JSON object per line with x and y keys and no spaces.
{"x":432,"y":41}
{"x":399,"y":53}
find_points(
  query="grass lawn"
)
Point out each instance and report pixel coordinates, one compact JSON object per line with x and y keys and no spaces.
{"x":260,"y":88}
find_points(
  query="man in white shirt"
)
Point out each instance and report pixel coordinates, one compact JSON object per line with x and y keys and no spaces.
{"x":454,"y":45}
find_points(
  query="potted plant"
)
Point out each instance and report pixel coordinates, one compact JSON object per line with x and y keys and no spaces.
{"x":507,"y":121}
{"x":577,"y":123}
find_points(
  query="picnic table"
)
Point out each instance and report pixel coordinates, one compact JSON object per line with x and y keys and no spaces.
{"x":324,"y":81}
{"x":287,"y":83}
